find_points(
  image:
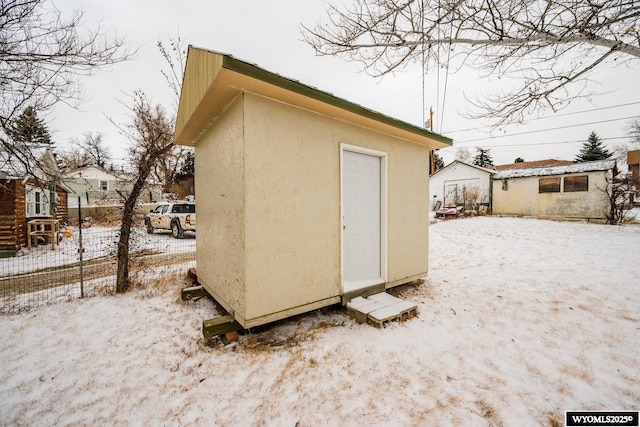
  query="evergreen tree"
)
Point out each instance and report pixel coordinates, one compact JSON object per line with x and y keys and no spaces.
{"x":519,"y":160}
{"x":187,"y":168}
{"x":593,"y":150}
{"x":483,"y":158}
{"x":438,"y":163}
{"x":29,"y":128}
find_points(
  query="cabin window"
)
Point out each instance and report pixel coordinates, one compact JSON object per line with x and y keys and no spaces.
{"x":104,"y":186}
{"x":37,"y":202}
{"x":576,"y":183}
{"x":549,"y":185}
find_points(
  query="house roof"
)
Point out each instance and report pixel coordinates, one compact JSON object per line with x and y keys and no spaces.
{"x":90,"y":172}
{"x":534,"y":164}
{"x":34,"y":158}
{"x":633,"y":157}
{"x":598,"y":165}
{"x":490,"y":171}
{"x":212,"y":80}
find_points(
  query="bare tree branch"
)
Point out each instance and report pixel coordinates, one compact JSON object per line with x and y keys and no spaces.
{"x":552,"y":46}
{"x":151,"y":134}
{"x":42,"y":56}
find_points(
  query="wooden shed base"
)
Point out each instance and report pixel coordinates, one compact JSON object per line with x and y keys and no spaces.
{"x":380,"y":309}
{"x":220,"y":326}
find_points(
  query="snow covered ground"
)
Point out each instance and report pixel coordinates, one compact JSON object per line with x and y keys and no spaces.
{"x":519,"y":320}
{"x":98,"y":242}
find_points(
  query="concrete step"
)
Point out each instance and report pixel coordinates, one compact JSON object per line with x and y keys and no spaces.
{"x":380,"y":309}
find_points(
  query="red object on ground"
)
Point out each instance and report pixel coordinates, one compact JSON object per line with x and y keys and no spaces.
{"x":230,"y":337}
{"x":447,"y":211}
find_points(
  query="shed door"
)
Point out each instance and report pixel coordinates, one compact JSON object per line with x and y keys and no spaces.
{"x":362,"y":225}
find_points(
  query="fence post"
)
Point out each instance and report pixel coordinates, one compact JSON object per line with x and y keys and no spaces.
{"x":81,"y":250}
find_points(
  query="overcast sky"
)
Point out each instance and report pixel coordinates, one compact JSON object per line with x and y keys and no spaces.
{"x":267,"y":33}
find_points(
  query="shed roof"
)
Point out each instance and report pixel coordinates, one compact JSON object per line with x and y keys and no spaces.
{"x":534,"y":164}
{"x":598,"y":165}
{"x":489,"y":171}
{"x":212,"y":80}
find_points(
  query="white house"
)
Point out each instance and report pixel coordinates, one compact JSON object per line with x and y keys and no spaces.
{"x":461,"y":184}
{"x":91,"y":184}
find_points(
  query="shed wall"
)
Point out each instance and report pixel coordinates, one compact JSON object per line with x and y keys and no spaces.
{"x":522,"y":198}
{"x":62,"y":208}
{"x":12,"y":219}
{"x":293,"y":212}
{"x":219,"y":165}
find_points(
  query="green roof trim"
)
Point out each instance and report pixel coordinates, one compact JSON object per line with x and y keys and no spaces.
{"x":256,"y":72}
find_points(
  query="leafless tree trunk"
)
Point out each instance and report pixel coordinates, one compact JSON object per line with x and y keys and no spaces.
{"x":151,"y":133}
{"x":551,"y":46}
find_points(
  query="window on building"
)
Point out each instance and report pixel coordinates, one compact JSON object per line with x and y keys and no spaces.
{"x":37,"y":202}
{"x":576,"y":183}
{"x":549,"y":185}
{"x":104,"y":186}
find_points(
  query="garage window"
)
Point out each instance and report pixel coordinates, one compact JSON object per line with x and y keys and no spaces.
{"x":576,"y":183}
{"x":549,"y":185}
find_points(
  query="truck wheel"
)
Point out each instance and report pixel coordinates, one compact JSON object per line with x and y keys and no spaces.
{"x":176,"y":230}
{"x":147,"y":224}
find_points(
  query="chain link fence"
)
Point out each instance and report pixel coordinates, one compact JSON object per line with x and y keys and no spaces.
{"x":43,"y":275}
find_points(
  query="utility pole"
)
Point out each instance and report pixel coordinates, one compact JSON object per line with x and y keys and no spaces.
{"x":432,"y":159}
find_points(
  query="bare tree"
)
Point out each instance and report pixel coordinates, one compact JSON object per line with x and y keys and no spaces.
{"x":42,"y":55}
{"x":94,"y":148}
{"x":73,"y":158}
{"x":464,"y":155}
{"x":151,"y":134}
{"x":166,"y":168}
{"x":634,"y":131}
{"x":551,"y":46}
{"x":618,"y":190}
{"x":152,"y":154}
{"x":174,"y":55}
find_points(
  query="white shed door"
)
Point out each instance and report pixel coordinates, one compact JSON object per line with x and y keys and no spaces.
{"x":361,"y":204}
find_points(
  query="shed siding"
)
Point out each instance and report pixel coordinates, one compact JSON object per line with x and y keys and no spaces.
{"x":522,"y":198}
{"x":9,"y":230}
{"x":293,"y":213}
{"x":13,"y":215}
{"x":407,"y":199}
{"x":201,"y":69}
{"x":219,"y":157}
{"x":62,"y":209}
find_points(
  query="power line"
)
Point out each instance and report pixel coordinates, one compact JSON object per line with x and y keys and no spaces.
{"x":549,"y":129}
{"x":527,"y":144}
{"x":557,"y":115}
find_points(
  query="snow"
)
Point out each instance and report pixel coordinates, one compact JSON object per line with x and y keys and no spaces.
{"x":97,"y":242}
{"x":598,"y":165}
{"x":519,"y":320}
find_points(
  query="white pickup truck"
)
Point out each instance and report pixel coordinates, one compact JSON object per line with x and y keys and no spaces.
{"x":176,"y":216}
